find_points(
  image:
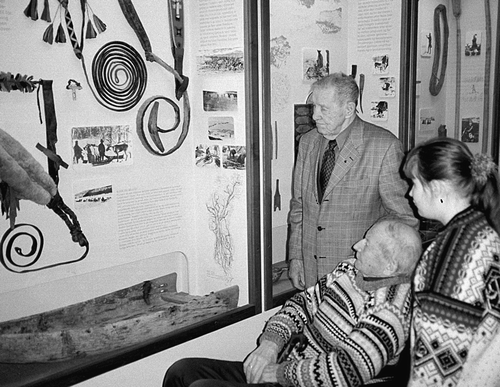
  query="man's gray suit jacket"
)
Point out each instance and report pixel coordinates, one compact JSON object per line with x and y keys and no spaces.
{"x":365,"y":185}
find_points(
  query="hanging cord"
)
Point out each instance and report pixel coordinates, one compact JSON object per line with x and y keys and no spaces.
{"x":487,"y":76}
{"x":436,"y":83}
{"x":457,"y":10}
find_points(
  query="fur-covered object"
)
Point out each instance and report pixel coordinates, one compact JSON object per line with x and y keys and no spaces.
{"x":22,"y":177}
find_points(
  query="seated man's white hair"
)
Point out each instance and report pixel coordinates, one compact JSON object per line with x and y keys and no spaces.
{"x":403,"y":244}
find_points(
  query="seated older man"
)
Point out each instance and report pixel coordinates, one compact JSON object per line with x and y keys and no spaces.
{"x":341,"y":332}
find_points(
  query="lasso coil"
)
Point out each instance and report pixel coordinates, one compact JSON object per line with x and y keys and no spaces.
{"x":119,"y":75}
{"x":21,"y":248}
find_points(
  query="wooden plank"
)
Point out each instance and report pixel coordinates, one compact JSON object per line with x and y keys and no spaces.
{"x":120,"y":319}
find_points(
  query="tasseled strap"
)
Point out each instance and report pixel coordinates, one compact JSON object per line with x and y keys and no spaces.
{"x":72,"y":34}
{"x":31,"y":10}
{"x":46,"y":12}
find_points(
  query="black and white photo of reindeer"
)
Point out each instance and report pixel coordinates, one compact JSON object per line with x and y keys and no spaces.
{"x":120,"y":150}
{"x":103,"y":145}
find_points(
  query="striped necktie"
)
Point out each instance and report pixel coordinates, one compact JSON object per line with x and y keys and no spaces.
{"x":327,"y":167}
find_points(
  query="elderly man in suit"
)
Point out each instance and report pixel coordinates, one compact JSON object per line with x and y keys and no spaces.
{"x":331,"y":208}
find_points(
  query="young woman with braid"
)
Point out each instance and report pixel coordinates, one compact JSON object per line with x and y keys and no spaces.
{"x":455,"y":337}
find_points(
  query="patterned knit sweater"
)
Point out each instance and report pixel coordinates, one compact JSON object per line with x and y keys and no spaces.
{"x":351,"y":333}
{"x":455,"y":334}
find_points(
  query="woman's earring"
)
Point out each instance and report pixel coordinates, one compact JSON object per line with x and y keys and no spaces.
{"x":441,"y":200}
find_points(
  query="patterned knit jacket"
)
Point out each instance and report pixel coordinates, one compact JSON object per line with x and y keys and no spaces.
{"x":455,"y":332}
{"x":351,"y":334}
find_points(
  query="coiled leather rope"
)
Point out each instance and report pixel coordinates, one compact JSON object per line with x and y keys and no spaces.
{"x":119,"y":75}
{"x":153,"y":138}
{"x":23,"y":261}
{"x":436,"y":82}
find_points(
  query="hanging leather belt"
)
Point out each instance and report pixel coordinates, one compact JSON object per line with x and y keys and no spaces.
{"x":436,"y":83}
{"x":176,"y":13}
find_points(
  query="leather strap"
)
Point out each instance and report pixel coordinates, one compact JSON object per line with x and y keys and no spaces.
{"x":50,"y":127}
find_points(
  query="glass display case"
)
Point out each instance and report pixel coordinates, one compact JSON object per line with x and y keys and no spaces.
{"x":307,"y":40}
{"x":444,"y":75}
{"x":176,"y":190}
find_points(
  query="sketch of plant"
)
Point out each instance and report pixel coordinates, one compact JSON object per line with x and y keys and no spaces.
{"x":219,"y":208}
{"x":280,"y":51}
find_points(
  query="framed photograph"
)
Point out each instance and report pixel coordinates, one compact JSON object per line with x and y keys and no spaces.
{"x":387,"y":87}
{"x":379,"y":110}
{"x":470,"y":129}
{"x":473,"y":43}
{"x":380,"y":64}
{"x":427,"y":119}
{"x":426,"y":43}
{"x":315,"y":64}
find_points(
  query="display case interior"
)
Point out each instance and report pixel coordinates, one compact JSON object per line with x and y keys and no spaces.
{"x":129,"y":153}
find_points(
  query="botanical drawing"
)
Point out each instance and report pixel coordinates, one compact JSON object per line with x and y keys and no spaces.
{"x":220,"y":206}
{"x":280,"y":51}
{"x":330,"y":21}
{"x":280,"y":91}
